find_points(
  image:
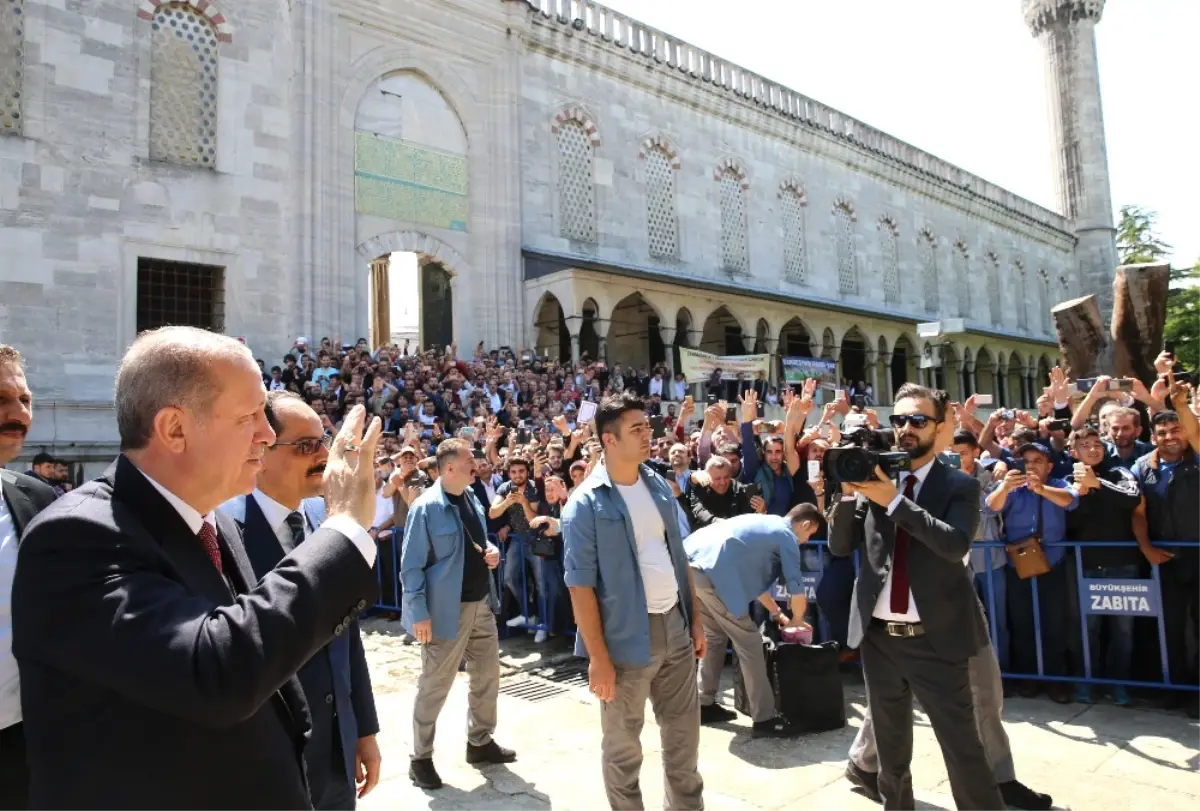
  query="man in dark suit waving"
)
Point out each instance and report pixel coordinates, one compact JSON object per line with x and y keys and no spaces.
{"x":154,"y":663}
{"x":274,"y":521}
{"x":915,"y":616}
{"x":21,"y":498}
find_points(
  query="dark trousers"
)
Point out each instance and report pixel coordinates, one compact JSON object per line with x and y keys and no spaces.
{"x":1181,"y":612}
{"x":328,"y":786}
{"x":896,"y":669}
{"x":14,"y":771}
{"x":389,"y":580}
{"x":834,"y":593}
{"x":1052,"y":613}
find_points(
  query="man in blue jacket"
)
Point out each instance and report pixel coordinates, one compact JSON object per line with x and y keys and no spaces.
{"x":734,"y":563}
{"x":635,"y":608}
{"x":449,"y":606}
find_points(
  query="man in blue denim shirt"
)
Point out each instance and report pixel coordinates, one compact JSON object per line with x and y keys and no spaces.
{"x":635,"y":608}
{"x":1033,"y":504}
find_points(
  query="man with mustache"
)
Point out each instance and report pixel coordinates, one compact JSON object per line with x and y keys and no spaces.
{"x":282,"y":512}
{"x":155,"y":663}
{"x":21,"y":498}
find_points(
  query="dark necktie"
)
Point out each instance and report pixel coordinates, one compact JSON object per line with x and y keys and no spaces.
{"x":900,"y":558}
{"x":208,"y":537}
{"x":295,"y":523}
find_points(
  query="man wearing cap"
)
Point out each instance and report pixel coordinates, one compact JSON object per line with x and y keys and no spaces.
{"x":1032,"y":503}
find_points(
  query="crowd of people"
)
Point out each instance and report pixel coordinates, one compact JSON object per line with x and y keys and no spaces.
{"x":506,"y":460}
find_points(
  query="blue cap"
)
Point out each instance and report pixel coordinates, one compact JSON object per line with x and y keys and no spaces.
{"x":1044,"y":450}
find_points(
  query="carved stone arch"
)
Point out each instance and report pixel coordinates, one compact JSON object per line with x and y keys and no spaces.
{"x":846,"y":205}
{"x":424,"y":246}
{"x":795,"y":186}
{"x":731,"y":164}
{"x":220,"y":23}
{"x":576,"y":113}
{"x":661,"y":143}
{"x":888,"y":223}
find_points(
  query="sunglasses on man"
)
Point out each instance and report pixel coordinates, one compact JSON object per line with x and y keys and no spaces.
{"x":917,"y":421}
{"x":309,"y":445}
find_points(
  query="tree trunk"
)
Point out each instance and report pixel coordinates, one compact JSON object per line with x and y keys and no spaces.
{"x":1139,"y":315}
{"x":1082,"y":338}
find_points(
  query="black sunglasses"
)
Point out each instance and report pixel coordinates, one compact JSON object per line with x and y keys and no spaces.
{"x":308,"y":446}
{"x":917,"y":421}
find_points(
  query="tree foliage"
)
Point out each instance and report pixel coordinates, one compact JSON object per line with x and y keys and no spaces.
{"x":1136,"y":240}
{"x":1182,"y":328}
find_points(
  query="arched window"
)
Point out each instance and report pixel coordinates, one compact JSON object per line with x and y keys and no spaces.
{"x":962,"y":281}
{"x":734,"y":249}
{"x":995,"y":304}
{"x":791,"y":212}
{"x":183,"y":87}
{"x":1046,"y":304}
{"x":12,"y":64}
{"x":843,"y":223}
{"x":927,"y":243}
{"x":1020,"y":296}
{"x":576,"y":190}
{"x":662,"y":224}
{"x":889,"y":250}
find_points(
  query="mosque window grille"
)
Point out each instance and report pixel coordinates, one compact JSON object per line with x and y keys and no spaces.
{"x":962,"y":281}
{"x":794,"y":237}
{"x":662,"y":223}
{"x":734,"y":246}
{"x":995,"y":302}
{"x":843,"y":217}
{"x":180,"y":294}
{"x":889,"y":250}
{"x":929,"y":271}
{"x":12,"y":64}
{"x":576,"y":186}
{"x":183,"y":87}
{"x":1021,"y":295}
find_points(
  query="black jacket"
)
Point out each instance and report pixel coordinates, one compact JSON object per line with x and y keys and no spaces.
{"x":1106,"y":514}
{"x":706,"y":505}
{"x":142,"y":671}
{"x":26,"y":496}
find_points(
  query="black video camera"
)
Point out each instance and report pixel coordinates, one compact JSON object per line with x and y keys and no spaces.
{"x":861,"y":451}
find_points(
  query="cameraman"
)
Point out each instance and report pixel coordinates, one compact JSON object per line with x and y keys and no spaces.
{"x":715,"y":495}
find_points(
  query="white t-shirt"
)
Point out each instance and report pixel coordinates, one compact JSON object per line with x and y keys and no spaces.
{"x":654,"y":559}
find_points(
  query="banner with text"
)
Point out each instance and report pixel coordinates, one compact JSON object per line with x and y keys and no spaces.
{"x":1138,"y":598}
{"x":810,"y":580}
{"x":698,"y":367}
{"x":797,"y":370}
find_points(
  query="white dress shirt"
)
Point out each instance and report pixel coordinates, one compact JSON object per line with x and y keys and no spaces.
{"x":656,"y":386}
{"x":10,"y":686}
{"x":883,"y":606}
{"x":339,"y":523}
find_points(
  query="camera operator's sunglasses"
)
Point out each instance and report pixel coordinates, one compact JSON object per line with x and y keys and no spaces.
{"x":309,"y":446}
{"x":917,"y":421}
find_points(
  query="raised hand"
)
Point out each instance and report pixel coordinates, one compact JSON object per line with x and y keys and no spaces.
{"x":350,"y":471}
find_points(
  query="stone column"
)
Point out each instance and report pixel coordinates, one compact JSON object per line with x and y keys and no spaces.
{"x":887,"y":394}
{"x":602,"y":348}
{"x":668,"y":339}
{"x":837,"y":356}
{"x":871,"y":359}
{"x":969,"y":376}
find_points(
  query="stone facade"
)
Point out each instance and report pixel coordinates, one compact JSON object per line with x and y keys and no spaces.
{"x":781,"y":209}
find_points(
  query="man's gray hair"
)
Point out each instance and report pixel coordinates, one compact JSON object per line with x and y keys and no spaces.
{"x":168,"y":367}
{"x":9,"y":354}
{"x":718,"y":463}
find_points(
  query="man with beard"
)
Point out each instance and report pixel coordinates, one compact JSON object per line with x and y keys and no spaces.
{"x":915,"y":616}
{"x":284,"y":509}
{"x":516,"y":502}
{"x":45,"y":469}
{"x":21,"y":498}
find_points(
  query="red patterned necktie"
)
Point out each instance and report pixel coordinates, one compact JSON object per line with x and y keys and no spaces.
{"x":208,"y":537}
{"x":899,"y":604}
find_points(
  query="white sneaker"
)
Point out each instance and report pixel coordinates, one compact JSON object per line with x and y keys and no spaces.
{"x":540,"y":637}
{"x":516,"y":622}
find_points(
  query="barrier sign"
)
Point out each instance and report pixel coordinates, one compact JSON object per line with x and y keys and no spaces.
{"x":810,"y":579}
{"x":1137,"y":598}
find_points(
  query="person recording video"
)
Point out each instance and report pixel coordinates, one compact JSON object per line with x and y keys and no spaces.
{"x":915,"y":616}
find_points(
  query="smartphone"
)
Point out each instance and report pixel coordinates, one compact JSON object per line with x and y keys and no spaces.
{"x":1169,"y":348}
{"x":522,"y":436}
{"x":587,"y":410}
{"x":826,"y":430}
{"x":1120,"y":385}
{"x":1016,"y":463}
{"x":1008,"y":414}
{"x":983,"y":399}
{"x":1059,"y":425}
{"x":952,"y":459}
{"x":841,"y":394}
{"x":657,"y":427}
{"x":814,"y":470}
{"x":753,"y":490}
{"x":762,"y":410}
{"x":476,"y":453}
{"x":731,"y":414}
{"x":712,"y":399}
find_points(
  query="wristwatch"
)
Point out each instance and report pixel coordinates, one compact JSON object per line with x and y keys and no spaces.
{"x":775,"y":617}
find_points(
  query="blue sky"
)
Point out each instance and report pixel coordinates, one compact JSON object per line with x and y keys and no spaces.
{"x":964,"y":80}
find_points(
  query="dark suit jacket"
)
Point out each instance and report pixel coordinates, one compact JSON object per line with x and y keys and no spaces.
{"x":940,"y":524}
{"x":25,"y":497}
{"x":338,"y":671}
{"x":146,"y":676}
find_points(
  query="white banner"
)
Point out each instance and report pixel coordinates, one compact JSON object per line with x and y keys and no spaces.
{"x":698,"y":367}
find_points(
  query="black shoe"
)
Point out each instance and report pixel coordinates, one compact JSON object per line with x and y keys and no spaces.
{"x":862,"y":779}
{"x":778,"y":727}
{"x":1019,"y":795}
{"x":715,"y":714}
{"x":490,"y":752}
{"x":422,"y":774}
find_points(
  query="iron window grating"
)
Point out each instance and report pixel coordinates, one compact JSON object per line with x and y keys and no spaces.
{"x":180,"y":294}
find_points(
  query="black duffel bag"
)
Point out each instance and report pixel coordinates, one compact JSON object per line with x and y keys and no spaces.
{"x":806,"y":682}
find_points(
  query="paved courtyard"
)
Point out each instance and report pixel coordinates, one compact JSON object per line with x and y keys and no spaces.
{"x":1098,"y":757}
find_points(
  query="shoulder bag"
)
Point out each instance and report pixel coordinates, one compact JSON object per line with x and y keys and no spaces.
{"x":1027,"y":556}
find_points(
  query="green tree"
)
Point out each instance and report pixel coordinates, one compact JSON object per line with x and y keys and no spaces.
{"x":1136,"y":240}
{"x":1182,"y":328}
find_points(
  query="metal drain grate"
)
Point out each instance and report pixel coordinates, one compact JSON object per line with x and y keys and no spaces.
{"x":547,"y":682}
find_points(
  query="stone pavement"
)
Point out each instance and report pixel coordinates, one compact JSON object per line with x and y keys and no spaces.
{"x":1098,"y":757}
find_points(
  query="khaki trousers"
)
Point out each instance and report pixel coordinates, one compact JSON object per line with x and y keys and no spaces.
{"x":440,"y":659}
{"x":669,"y":682}
{"x":721,"y":628}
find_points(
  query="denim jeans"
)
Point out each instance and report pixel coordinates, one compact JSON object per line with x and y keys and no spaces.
{"x":998,"y":624}
{"x":518,"y":563}
{"x":1052,"y":613}
{"x":549,"y":578}
{"x":1114,"y":660}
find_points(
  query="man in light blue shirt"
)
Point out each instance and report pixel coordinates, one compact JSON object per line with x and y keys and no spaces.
{"x":735,"y":562}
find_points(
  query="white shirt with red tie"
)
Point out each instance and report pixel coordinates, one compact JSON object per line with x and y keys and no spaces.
{"x":883,"y":606}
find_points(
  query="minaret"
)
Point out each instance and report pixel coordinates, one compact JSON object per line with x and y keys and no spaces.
{"x":1066,"y":29}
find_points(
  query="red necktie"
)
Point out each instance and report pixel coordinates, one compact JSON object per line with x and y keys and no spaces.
{"x":900,"y":559}
{"x":208,"y":537}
